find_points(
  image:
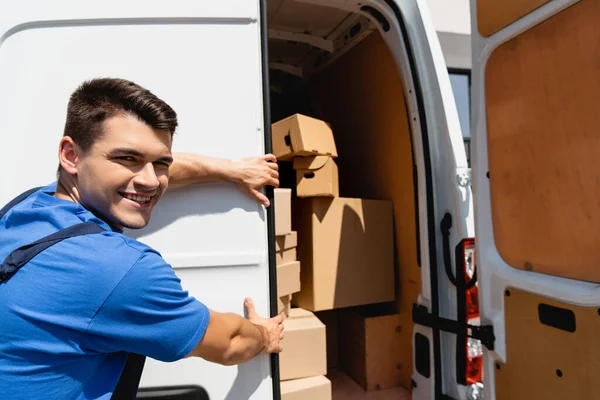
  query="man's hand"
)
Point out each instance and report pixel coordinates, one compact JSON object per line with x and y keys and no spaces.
{"x":272,"y":328}
{"x":251,"y":174}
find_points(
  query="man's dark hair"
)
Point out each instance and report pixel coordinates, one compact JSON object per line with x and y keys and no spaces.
{"x":97,"y":100}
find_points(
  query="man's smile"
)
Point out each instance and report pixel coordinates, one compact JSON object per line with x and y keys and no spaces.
{"x":139,"y":199}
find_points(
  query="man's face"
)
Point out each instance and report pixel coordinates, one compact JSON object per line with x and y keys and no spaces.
{"x":125,"y":173}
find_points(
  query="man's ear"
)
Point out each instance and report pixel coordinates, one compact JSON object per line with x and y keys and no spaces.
{"x":68,"y":155}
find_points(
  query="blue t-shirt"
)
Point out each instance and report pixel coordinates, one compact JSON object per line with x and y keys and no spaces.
{"x":68,"y":316}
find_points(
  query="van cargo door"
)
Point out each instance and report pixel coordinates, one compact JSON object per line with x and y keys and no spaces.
{"x":206,"y":60}
{"x":535,"y":91}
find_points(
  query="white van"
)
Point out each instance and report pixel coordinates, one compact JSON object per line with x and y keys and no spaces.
{"x":374,"y":69}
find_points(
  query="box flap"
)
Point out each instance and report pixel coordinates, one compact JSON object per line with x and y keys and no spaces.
{"x":317,"y":134}
{"x":312,"y":163}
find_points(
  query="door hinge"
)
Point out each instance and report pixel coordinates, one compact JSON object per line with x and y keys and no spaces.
{"x":484,"y":333}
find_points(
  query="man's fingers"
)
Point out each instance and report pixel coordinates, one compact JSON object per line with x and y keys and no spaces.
{"x":279,"y":318}
{"x":270,"y":157}
{"x":261,"y":197}
{"x":274,"y":166}
{"x":250,"y":310}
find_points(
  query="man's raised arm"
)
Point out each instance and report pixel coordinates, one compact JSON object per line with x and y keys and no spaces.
{"x":251,"y":174}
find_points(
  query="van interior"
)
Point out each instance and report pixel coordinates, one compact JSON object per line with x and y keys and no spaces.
{"x":334,"y":65}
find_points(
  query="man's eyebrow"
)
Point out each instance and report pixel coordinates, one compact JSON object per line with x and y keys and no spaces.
{"x":135,"y":153}
{"x":129,"y":152}
{"x":166,"y":159}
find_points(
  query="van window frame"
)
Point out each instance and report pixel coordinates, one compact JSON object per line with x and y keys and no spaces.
{"x":466,"y":138}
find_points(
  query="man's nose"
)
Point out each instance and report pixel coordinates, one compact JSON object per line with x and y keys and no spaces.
{"x":147,"y":177}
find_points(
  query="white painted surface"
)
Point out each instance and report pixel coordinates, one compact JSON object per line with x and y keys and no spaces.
{"x":451,"y":16}
{"x":47,"y":49}
{"x":451,"y":19}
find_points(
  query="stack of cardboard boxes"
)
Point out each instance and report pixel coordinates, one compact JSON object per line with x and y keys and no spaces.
{"x":288,"y":268}
{"x":303,"y":363}
{"x":345,"y":249}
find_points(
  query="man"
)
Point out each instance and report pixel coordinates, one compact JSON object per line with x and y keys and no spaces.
{"x":70,"y":315}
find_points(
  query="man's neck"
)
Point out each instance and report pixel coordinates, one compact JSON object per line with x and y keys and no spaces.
{"x":62,"y":193}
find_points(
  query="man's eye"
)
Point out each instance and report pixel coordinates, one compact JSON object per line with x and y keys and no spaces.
{"x":126,"y":158}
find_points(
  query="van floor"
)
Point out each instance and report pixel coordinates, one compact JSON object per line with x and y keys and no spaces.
{"x":345,"y":388}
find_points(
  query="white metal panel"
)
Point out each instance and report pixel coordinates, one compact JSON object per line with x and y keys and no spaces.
{"x":447,"y":158}
{"x":204,"y":59}
{"x":450,"y":15}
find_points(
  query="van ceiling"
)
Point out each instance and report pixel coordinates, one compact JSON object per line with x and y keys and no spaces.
{"x":304,"y":38}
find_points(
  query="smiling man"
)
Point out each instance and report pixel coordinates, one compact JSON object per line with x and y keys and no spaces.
{"x":73,"y":311}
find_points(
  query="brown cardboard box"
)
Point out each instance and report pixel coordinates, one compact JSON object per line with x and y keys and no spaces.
{"x":286,"y":256}
{"x":370,"y":348}
{"x":313,"y":388}
{"x":346,"y":250}
{"x":330,"y":319}
{"x":304,"y":346}
{"x":284,"y":304}
{"x":316,"y":176}
{"x":288,"y":278}
{"x":299,"y":135}
{"x":283,"y":211}
{"x":287,"y":241}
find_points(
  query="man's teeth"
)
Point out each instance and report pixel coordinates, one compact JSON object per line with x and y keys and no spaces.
{"x":138,"y":199}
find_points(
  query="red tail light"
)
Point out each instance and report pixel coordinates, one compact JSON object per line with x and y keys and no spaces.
{"x":474,"y":349}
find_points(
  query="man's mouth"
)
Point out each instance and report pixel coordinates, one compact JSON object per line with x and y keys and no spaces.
{"x":142,"y":200}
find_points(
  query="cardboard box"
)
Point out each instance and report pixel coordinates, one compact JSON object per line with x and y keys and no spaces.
{"x":288,"y":278}
{"x":286,"y":241}
{"x":284,"y":305}
{"x":330,"y":319}
{"x":347,"y":252}
{"x":304,"y":346}
{"x":370,"y":348}
{"x":282,"y":199}
{"x":299,"y":135}
{"x":316,"y":176}
{"x":286,"y":248}
{"x":286,"y":256}
{"x":313,"y":388}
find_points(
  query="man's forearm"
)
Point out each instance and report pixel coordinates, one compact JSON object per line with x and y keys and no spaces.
{"x":250,"y":174}
{"x":189,"y":169}
{"x":231,"y":339}
{"x":250,"y":341}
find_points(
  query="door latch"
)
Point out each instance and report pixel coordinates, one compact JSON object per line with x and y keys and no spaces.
{"x":484,"y":333}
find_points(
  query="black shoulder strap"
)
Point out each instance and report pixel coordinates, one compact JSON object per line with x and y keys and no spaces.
{"x":24,"y":254}
{"x":17,"y":200}
{"x":129,"y":381}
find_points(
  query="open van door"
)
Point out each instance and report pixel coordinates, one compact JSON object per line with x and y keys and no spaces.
{"x":206,"y":59}
{"x":535,"y":102}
